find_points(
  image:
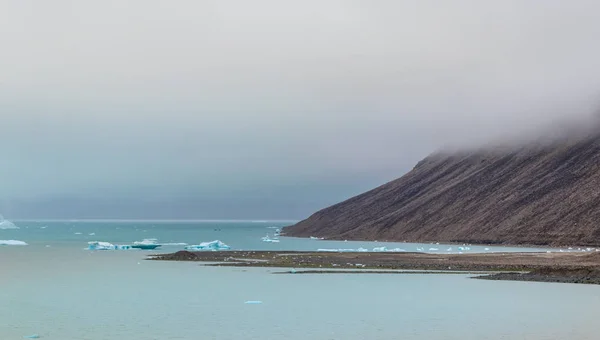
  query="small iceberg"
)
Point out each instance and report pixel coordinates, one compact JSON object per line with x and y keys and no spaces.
{"x":33,"y":336}
{"x":146,"y":244}
{"x":12,"y":243}
{"x":98,"y":245}
{"x":213,"y":245}
{"x":6,"y":224}
{"x":316,"y":238}
{"x":268,"y":239}
{"x":433,"y":249}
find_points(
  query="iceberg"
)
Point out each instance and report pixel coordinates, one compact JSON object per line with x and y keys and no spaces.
{"x":98,"y":245}
{"x":213,"y":245}
{"x":253,"y":302}
{"x":6,"y":224}
{"x":268,"y":239}
{"x":149,"y":243}
{"x":316,"y":238}
{"x":12,"y":243}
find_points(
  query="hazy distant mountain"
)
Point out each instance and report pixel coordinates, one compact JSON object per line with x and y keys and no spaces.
{"x":545,"y":193}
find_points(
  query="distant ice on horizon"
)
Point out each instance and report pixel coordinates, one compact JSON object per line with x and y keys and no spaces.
{"x":6,"y":224}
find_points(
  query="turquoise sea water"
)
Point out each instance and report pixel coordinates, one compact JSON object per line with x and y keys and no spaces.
{"x":55,"y":288}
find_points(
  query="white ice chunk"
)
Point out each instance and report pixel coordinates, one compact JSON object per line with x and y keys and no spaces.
{"x":6,"y":224}
{"x":12,"y":243}
{"x":268,"y":239}
{"x":316,"y":238}
{"x":380,"y":249}
{"x":213,"y":245}
{"x":99,"y":245}
{"x":433,"y":249}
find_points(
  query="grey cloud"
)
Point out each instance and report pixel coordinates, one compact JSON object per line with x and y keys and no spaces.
{"x":204,"y":98}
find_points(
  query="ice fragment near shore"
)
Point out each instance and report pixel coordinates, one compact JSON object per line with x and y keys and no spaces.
{"x":213,"y":245}
{"x":362,"y":250}
{"x":12,"y":243}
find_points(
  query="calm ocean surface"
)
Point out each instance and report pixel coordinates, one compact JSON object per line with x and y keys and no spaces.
{"x":57,"y":289}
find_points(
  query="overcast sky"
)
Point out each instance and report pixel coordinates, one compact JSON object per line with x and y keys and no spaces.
{"x":268,"y":108}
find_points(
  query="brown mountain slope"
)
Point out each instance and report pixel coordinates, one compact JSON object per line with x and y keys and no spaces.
{"x":545,"y":194}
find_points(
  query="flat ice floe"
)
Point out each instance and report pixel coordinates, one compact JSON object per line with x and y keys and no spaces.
{"x":364,"y":250}
{"x":12,"y":243}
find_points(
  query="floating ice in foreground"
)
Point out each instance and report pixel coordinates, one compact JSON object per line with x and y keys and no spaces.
{"x":33,"y":336}
{"x":316,"y":238}
{"x":213,"y":245}
{"x":98,"y":245}
{"x":12,"y":243}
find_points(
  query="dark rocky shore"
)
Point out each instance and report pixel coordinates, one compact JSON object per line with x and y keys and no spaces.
{"x":540,"y":267}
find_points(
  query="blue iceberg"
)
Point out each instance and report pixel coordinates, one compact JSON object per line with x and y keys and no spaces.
{"x":98,"y":245}
{"x":213,"y":245}
{"x":149,"y":243}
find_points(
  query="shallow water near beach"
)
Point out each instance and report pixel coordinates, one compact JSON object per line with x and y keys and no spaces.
{"x":57,"y":289}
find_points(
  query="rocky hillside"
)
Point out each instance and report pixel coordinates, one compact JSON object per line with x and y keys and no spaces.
{"x":542,"y":194}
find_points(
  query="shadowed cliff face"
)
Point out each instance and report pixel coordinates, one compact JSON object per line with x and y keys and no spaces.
{"x":545,"y":193}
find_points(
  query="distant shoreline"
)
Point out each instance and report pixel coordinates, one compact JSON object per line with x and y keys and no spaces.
{"x":125,"y":220}
{"x":537,"y":267}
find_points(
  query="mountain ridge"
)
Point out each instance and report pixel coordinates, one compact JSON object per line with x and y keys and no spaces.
{"x":540,"y":193}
